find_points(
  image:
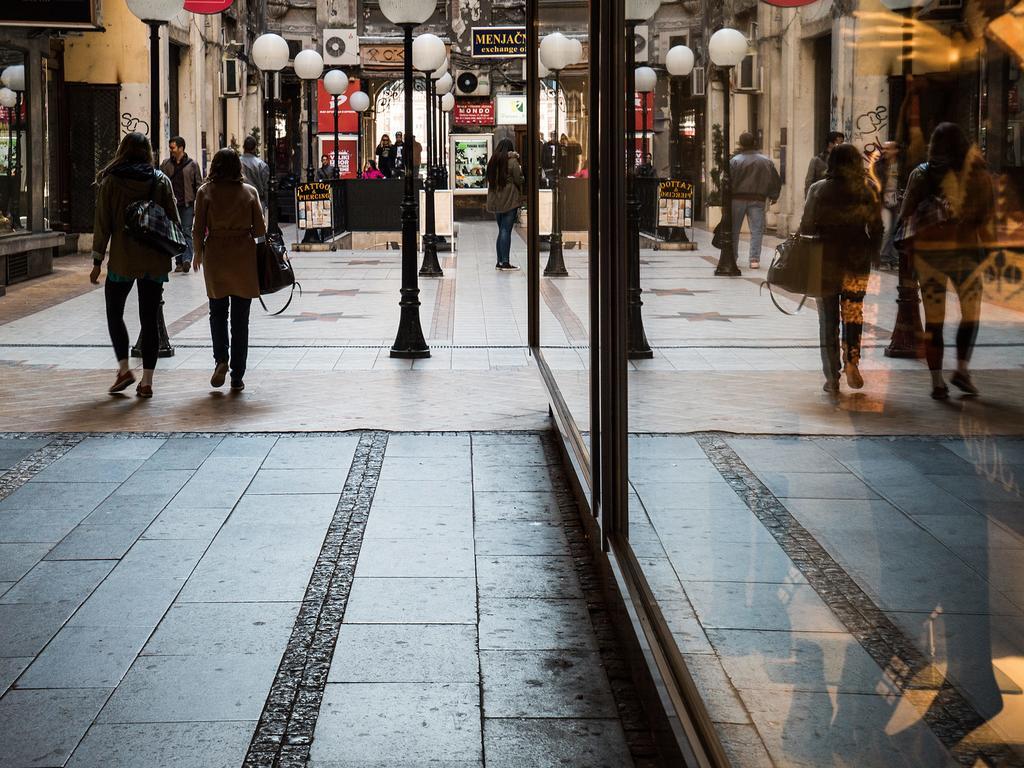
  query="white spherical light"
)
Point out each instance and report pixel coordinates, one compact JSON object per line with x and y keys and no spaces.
{"x":641,"y":10}
{"x":679,"y":61}
{"x":309,"y":64}
{"x":428,"y":52}
{"x":270,"y":52}
{"x":335,"y":82}
{"x":407,"y":11}
{"x":448,"y":102}
{"x":14,"y":77}
{"x":359,"y":101}
{"x":646,"y":79}
{"x":8,"y":98}
{"x":727,"y":47}
{"x":440,"y":72}
{"x":542,"y":71}
{"x":444,"y":83}
{"x":556,"y":51}
{"x":156,"y":10}
{"x":577,"y":51}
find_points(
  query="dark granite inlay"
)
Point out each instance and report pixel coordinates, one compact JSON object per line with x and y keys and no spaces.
{"x":285,"y":730}
{"x":36,"y":462}
{"x":950,"y":716}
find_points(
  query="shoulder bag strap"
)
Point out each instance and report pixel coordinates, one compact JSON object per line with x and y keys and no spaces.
{"x":291,"y":295}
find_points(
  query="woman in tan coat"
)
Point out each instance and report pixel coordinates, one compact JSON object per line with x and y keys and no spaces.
{"x":228,"y":219}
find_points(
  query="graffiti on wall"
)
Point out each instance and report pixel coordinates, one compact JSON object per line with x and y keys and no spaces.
{"x":131,"y":123}
{"x":869,"y":129}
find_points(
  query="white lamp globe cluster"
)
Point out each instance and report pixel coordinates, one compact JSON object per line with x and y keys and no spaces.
{"x":444,"y":84}
{"x":270,"y":52}
{"x":448,"y":102}
{"x":679,"y":61}
{"x":428,"y":53}
{"x":14,"y":77}
{"x":359,"y":101}
{"x":641,"y":10}
{"x":646,"y":79}
{"x":336,"y":82}
{"x":558,"y":52}
{"x":160,"y":11}
{"x":727,"y":47}
{"x":309,"y":64}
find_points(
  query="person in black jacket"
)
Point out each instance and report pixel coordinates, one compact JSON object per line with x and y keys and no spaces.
{"x":386,"y":156}
{"x":844,"y":211}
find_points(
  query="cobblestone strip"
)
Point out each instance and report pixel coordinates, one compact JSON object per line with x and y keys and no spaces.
{"x":36,"y":462}
{"x":285,"y":730}
{"x":943,"y":707}
{"x":638,"y":731}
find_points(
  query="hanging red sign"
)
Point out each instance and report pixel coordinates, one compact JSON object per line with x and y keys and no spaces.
{"x":348,"y":120}
{"x":207,"y":7}
{"x":475,"y":112}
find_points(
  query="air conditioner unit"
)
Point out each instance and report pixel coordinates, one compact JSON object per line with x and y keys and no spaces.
{"x":341,"y":46}
{"x":698,"y":81}
{"x":230,"y":77}
{"x":642,"y":43}
{"x":749,"y":74}
{"x":473,"y":83}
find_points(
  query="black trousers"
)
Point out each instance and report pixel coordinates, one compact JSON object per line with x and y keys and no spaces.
{"x":239,"y":338}
{"x":150,"y":294}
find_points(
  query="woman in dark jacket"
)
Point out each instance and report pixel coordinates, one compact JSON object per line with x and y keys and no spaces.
{"x":504,"y":195}
{"x":386,"y":153}
{"x":228,"y":220}
{"x":947,"y":219}
{"x":844,"y":210}
{"x":130,"y":177}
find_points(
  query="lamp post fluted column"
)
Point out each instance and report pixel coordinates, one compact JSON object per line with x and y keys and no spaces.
{"x":556,"y":257}
{"x":727,"y":266}
{"x":409,"y":342}
{"x":431,"y":267}
{"x":270,"y":54}
{"x":637,"y":346}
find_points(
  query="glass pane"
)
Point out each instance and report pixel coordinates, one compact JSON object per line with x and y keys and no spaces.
{"x":563,"y":179}
{"x":13,"y":142}
{"x":826,"y":468}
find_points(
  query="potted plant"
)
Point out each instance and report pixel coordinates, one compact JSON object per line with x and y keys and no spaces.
{"x":713,"y":199}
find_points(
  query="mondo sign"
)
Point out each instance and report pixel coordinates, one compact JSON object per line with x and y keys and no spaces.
{"x":499,"y":42}
{"x":475,"y":112}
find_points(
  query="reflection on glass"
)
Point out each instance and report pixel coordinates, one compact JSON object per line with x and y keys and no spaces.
{"x":13,"y":187}
{"x":826,"y":452}
{"x":563,"y":217}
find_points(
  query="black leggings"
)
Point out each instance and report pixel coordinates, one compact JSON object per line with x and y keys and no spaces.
{"x":150,"y":293}
{"x":935,"y":273}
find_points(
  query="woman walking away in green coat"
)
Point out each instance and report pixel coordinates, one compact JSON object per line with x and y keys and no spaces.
{"x":128,"y":178}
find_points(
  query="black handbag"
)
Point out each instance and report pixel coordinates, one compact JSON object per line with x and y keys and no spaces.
{"x":796,"y":268}
{"x":274,"y":270}
{"x":148,"y":223}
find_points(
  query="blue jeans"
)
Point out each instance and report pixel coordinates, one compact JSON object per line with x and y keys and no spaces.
{"x":185,"y":214}
{"x":506,"y":220}
{"x":238,"y":341}
{"x":754,"y":211}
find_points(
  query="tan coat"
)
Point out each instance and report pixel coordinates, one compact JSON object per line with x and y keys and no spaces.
{"x":228,"y":219}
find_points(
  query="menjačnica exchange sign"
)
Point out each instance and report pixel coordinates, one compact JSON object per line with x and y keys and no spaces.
{"x":499,"y":42}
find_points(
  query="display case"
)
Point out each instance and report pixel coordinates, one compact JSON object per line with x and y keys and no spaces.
{"x":469,"y":153}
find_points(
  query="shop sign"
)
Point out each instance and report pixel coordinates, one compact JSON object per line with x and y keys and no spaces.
{"x":510,"y":109}
{"x":348,"y":118}
{"x":207,"y":7}
{"x":313,"y":205}
{"x":675,"y":203}
{"x":346,"y":161}
{"x":499,"y":42}
{"x":62,"y":14}
{"x":476,"y":112}
{"x":382,"y":56}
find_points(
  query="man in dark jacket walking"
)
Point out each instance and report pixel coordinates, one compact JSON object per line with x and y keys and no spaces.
{"x":753,"y":179}
{"x":255,"y":171}
{"x":186,"y":178}
{"x":819,"y":163}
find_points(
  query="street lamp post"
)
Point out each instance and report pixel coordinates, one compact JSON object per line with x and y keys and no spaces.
{"x":679,"y":62}
{"x":447,"y":105}
{"x":336,"y":83}
{"x":270,"y":55}
{"x":360,"y":102}
{"x":409,"y":341}
{"x":556,"y":54}
{"x":309,"y":65}
{"x":429,"y":58}
{"x":727,"y":47}
{"x":646,"y":80}
{"x":637,"y":347}
{"x":441,"y":88}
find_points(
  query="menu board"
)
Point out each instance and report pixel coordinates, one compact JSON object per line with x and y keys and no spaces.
{"x":444,"y":213}
{"x":313,"y":205}
{"x":675,"y":203}
{"x":470,"y":153}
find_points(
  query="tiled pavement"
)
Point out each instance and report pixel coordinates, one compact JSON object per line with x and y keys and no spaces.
{"x":355,"y":600}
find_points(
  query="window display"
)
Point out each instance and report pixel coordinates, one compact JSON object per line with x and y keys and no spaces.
{"x":469,"y":163}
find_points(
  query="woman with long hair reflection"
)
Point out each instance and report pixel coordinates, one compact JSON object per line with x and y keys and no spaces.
{"x":504,"y":196}
{"x":844,"y":210}
{"x":946,"y":221}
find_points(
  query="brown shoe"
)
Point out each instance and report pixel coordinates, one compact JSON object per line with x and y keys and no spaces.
{"x":853,"y":377}
{"x":219,"y":374}
{"x":122,"y":382}
{"x":144,"y":390}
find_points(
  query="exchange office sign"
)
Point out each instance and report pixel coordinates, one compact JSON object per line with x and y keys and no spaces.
{"x":499,"y":42}
{"x":63,"y":14}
